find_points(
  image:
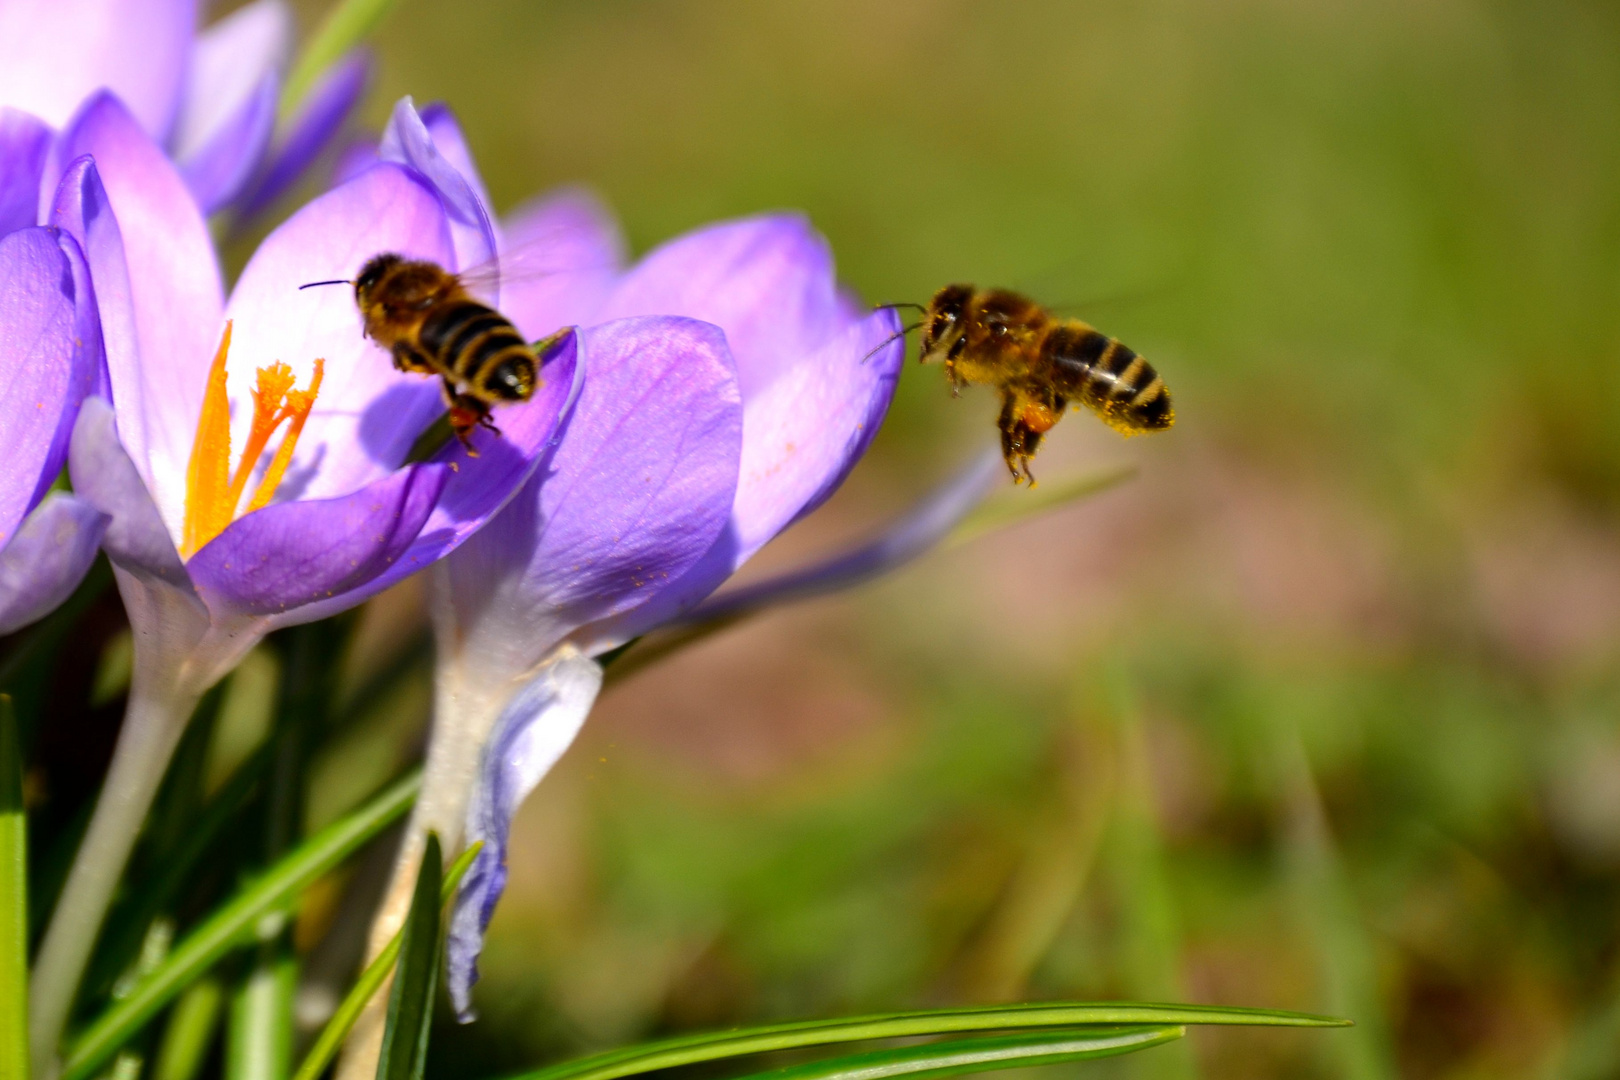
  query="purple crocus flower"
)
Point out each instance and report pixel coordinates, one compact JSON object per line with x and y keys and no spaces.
{"x":210,"y":97}
{"x":213,"y":549}
{"x":667,"y":478}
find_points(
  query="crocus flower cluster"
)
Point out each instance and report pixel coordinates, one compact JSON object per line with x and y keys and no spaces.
{"x":743,"y":386}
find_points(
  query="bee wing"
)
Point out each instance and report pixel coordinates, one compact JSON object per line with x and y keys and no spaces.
{"x":538,"y":257}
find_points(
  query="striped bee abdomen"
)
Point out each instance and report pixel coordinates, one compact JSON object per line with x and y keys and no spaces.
{"x":1107,"y":377}
{"x":479,"y":347}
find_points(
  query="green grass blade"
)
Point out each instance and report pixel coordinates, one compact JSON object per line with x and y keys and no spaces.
{"x":13,"y":901}
{"x":228,"y":926}
{"x":348,"y":24}
{"x":190,"y":1031}
{"x":410,"y":1004}
{"x":370,"y":981}
{"x":714,"y":1046}
{"x":960,"y":1056}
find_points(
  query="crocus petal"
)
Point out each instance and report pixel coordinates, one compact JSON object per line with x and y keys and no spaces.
{"x":47,"y":559}
{"x":104,"y":476}
{"x":537,"y":727}
{"x":561,"y":260}
{"x":319,"y":118}
{"x":638,"y":488}
{"x":292,"y":553}
{"x":368,"y":413}
{"x":354,"y":159}
{"x":42,"y":366}
{"x":479,"y":488}
{"x":174,"y":288}
{"x":408,"y":141}
{"x":768,"y":281}
{"x":912,"y":535}
{"x":445,"y":131}
{"x":55,"y":53}
{"x":25,"y":144}
{"x":229,"y":106}
{"x":221,"y":167}
{"x":801,"y":436}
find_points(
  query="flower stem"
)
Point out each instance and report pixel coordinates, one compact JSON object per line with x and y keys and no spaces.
{"x":13,"y":902}
{"x":465,"y":711}
{"x":153,"y":722}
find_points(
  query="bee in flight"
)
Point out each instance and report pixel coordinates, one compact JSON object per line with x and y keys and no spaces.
{"x":1040,"y":364}
{"x":423,"y":315}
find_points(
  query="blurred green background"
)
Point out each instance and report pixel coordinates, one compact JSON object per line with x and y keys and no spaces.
{"x":1321,"y":711}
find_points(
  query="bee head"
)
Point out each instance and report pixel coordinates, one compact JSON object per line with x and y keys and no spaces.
{"x":372,"y":274}
{"x":944,"y":322}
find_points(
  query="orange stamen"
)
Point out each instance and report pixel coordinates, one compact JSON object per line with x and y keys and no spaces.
{"x":212,"y":492}
{"x":208,"y":475}
{"x":299,"y":403}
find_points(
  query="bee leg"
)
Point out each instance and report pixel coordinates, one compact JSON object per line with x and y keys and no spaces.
{"x":408,"y":358}
{"x":1012,"y":445}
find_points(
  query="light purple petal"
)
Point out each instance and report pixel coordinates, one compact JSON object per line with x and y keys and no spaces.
{"x":318,"y":120}
{"x":408,"y":141}
{"x":81,"y":209}
{"x":47,"y":559}
{"x":368,"y":413}
{"x":922,"y":527}
{"x":233,"y":62}
{"x":639,"y":487}
{"x":103,"y":475}
{"x":25,"y":145}
{"x":295,"y":553}
{"x":562,"y":259}
{"x":220,"y":168}
{"x":354,"y":159}
{"x":801,"y":436}
{"x":538,"y":725}
{"x":767,"y":281}
{"x":41,"y":367}
{"x":479,"y":488}
{"x":445,"y":131}
{"x":174,"y":289}
{"x":55,"y":53}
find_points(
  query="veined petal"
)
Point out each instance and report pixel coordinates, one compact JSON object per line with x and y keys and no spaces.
{"x":369,"y":413}
{"x":319,"y":118}
{"x":221,"y":167}
{"x":408,"y":141}
{"x":173,"y":281}
{"x":562,"y":258}
{"x":801,"y":436}
{"x":479,"y":488}
{"x":767,"y":281}
{"x":47,"y":558}
{"x":41,"y":362}
{"x":445,"y":131}
{"x":638,"y":488}
{"x":229,"y":64}
{"x":25,"y":144}
{"x":538,"y":725}
{"x":55,"y":53}
{"x":294,"y":553}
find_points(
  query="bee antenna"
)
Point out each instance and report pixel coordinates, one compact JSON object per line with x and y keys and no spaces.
{"x":901,"y":304}
{"x":900,"y":333}
{"x":334,"y":281}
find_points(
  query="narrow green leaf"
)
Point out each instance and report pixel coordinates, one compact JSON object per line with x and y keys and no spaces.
{"x":1012,"y":507}
{"x":190,"y":1030}
{"x":714,"y":1046}
{"x":410,"y":1004}
{"x":960,"y":1056}
{"x":260,"y":1040}
{"x":370,"y":980}
{"x":13,"y":901}
{"x":229,"y":925}
{"x":348,"y":24}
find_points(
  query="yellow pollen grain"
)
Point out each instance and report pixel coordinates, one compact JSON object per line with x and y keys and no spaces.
{"x":299,"y":403}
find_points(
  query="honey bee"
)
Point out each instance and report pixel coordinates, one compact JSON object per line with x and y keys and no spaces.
{"x":1040,"y":364}
{"x":423,"y":315}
